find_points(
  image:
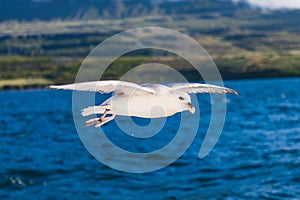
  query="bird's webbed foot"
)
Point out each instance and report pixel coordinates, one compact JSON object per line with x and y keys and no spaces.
{"x":100,"y":121}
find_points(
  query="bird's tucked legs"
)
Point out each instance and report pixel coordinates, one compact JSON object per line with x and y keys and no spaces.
{"x":100,"y":121}
{"x":103,"y":115}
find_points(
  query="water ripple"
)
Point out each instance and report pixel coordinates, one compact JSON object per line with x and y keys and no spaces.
{"x":257,"y":156}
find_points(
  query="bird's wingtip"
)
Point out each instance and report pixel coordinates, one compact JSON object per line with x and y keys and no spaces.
{"x":58,"y":87}
{"x":51,"y":87}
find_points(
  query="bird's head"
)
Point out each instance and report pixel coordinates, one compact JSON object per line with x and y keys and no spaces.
{"x":185,"y":102}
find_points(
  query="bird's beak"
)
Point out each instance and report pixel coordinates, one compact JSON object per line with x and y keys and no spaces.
{"x":191,"y":108}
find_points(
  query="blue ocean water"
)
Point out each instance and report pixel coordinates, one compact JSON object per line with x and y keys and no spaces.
{"x":256,"y":157}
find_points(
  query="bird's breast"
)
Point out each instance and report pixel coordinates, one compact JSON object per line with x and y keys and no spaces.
{"x":146,"y":106}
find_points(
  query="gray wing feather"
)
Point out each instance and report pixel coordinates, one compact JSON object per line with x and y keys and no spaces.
{"x":201,"y":88}
{"x":118,"y":87}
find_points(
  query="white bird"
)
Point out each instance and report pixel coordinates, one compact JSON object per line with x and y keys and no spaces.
{"x":146,"y":100}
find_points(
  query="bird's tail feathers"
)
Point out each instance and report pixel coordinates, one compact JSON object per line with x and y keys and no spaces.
{"x":93,"y":110}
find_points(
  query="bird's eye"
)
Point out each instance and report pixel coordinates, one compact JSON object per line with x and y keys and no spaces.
{"x":181,"y":98}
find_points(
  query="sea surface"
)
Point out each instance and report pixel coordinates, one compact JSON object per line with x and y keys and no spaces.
{"x":256,"y":157}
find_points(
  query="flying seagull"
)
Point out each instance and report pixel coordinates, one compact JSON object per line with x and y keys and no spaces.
{"x":146,"y":100}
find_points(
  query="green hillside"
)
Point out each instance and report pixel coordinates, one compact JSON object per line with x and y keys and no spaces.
{"x":244,"y":42}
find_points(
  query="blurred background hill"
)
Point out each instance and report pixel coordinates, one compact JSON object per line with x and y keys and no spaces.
{"x":93,"y":9}
{"x":45,"y":41}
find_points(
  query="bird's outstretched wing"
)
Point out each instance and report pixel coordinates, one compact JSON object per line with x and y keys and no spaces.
{"x":200,"y":88}
{"x":118,"y":87}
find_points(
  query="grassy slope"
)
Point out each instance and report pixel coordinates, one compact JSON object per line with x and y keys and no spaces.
{"x":24,"y":83}
{"x":53,"y":51}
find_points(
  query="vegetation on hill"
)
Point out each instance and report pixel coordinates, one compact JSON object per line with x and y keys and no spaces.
{"x":244,"y":42}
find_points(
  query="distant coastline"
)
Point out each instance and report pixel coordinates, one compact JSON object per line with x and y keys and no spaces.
{"x":12,"y":86}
